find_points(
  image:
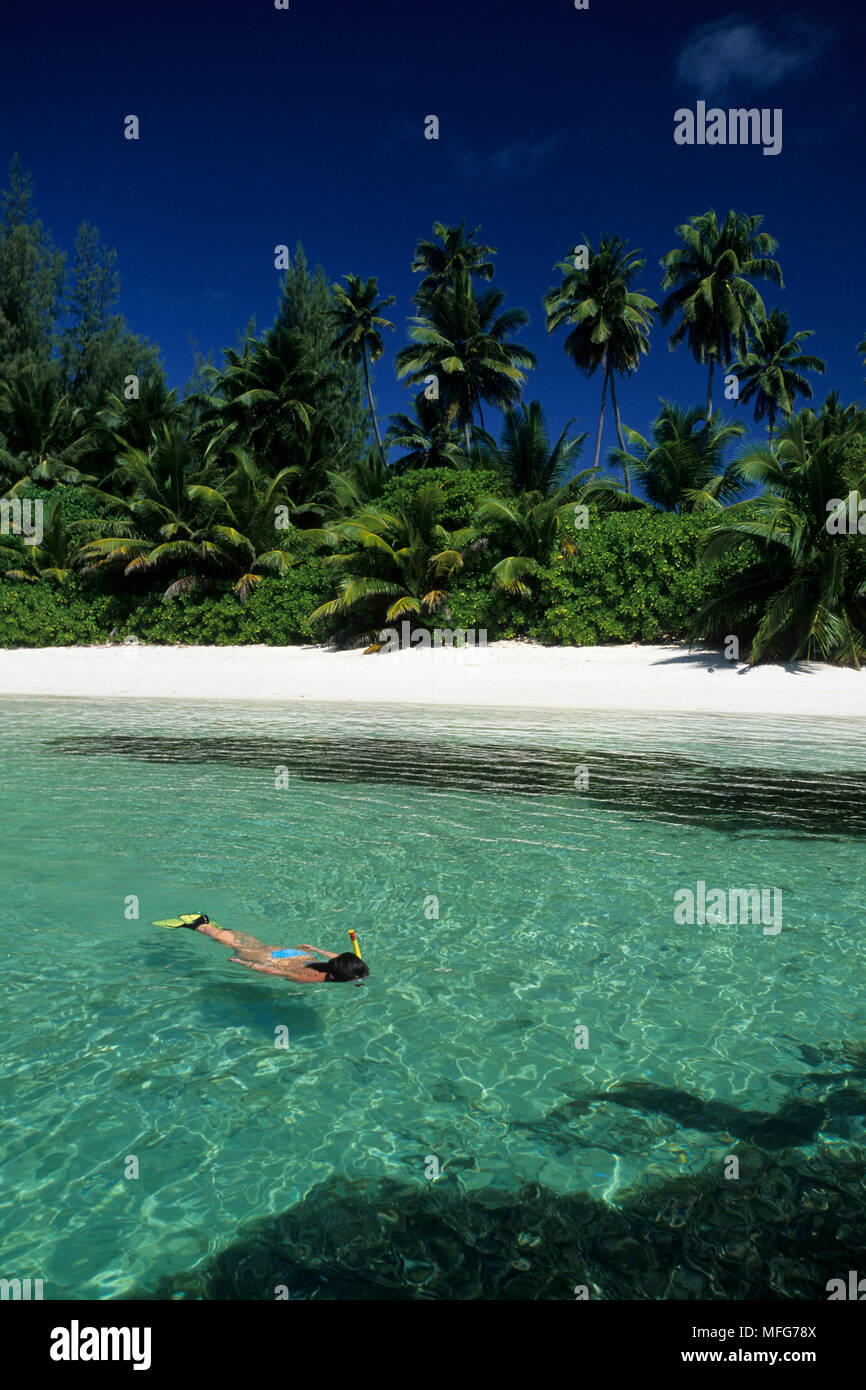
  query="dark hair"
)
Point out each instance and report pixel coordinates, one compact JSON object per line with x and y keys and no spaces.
{"x":346,"y":967}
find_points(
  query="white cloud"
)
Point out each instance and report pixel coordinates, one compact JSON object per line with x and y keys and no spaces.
{"x":519,"y":158}
{"x":740,"y":52}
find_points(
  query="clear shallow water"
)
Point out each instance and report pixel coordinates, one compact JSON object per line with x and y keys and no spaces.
{"x":555,"y":910}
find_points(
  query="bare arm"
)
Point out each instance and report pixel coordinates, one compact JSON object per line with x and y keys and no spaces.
{"x":255,"y":965}
{"x":329,"y":955}
{"x":260,"y":967}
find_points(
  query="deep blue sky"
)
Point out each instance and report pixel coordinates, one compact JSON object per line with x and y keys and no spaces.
{"x":261,"y":126}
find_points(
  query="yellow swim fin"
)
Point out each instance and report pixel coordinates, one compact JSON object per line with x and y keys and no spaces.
{"x":188,"y":919}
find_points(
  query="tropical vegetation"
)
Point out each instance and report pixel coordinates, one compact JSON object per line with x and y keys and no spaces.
{"x":270,"y":501}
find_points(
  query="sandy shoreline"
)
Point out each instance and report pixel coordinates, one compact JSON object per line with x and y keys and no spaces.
{"x":661,"y":679}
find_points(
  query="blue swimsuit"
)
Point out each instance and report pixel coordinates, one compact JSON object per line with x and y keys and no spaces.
{"x":283,"y":955}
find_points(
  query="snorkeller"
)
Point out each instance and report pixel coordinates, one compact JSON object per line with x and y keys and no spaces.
{"x":299,"y":965}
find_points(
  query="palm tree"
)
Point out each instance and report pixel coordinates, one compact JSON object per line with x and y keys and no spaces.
{"x":317,"y":454}
{"x":804,"y":593}
{"x":243,"y":520}
{"x":833,"y":419}
{"x":429,"y":439}
{"x":401,"y":566}
{"x":529,"y":528}
{"x":682,"y":468}
{"x":53,"y":558}
{"x":265,"y":399}
{"x":122,"y":424}
{"x":130,"y":423}
{"x":525,"y":454}
{"x":14,"y":470}
{"x":861,"y":347}
{"x":158,"y":524}
{"x":357,"y":320}
{"x":44,"y":437}
{"x":458,"y":254}
{"x":710,"y":277}
{"x":464,"y":340}
{"x":773,"y":366}
{"x":357,"y":488}
{"x":609,"y":320}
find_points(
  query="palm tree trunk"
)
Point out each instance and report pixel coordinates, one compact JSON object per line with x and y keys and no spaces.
{"x":619,"y":434}
{"x":601,"y":417}
{"x":710,"y":390}
{"x":373,"y":409}
{"x":466,"y":437}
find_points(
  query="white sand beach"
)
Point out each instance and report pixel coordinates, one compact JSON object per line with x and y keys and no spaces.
{"x":657,"y":679}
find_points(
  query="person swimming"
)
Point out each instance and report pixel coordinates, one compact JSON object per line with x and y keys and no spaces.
{"x":299,"y":966}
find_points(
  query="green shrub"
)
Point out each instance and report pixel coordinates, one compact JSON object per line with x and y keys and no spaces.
{"x":474,"y":602}
{"x":633,"y":577}
{"x":76,"y":503}
{"x":44,"y":614}
{"x":462,"y":490}
{"x":277,"y":613}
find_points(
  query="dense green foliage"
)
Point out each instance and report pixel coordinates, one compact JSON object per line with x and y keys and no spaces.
{"x":803,"y":594}
{"x":270,"y":505}
{"x":631,"y":578}
{"x":461,"y":491}
{"x":306,"y":303}
{"x":277,"y":613}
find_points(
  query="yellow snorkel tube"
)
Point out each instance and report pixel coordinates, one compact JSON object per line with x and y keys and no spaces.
{"x":355,"y":945}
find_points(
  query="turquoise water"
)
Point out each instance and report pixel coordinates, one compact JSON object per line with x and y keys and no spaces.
{"x":500,"y":907}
